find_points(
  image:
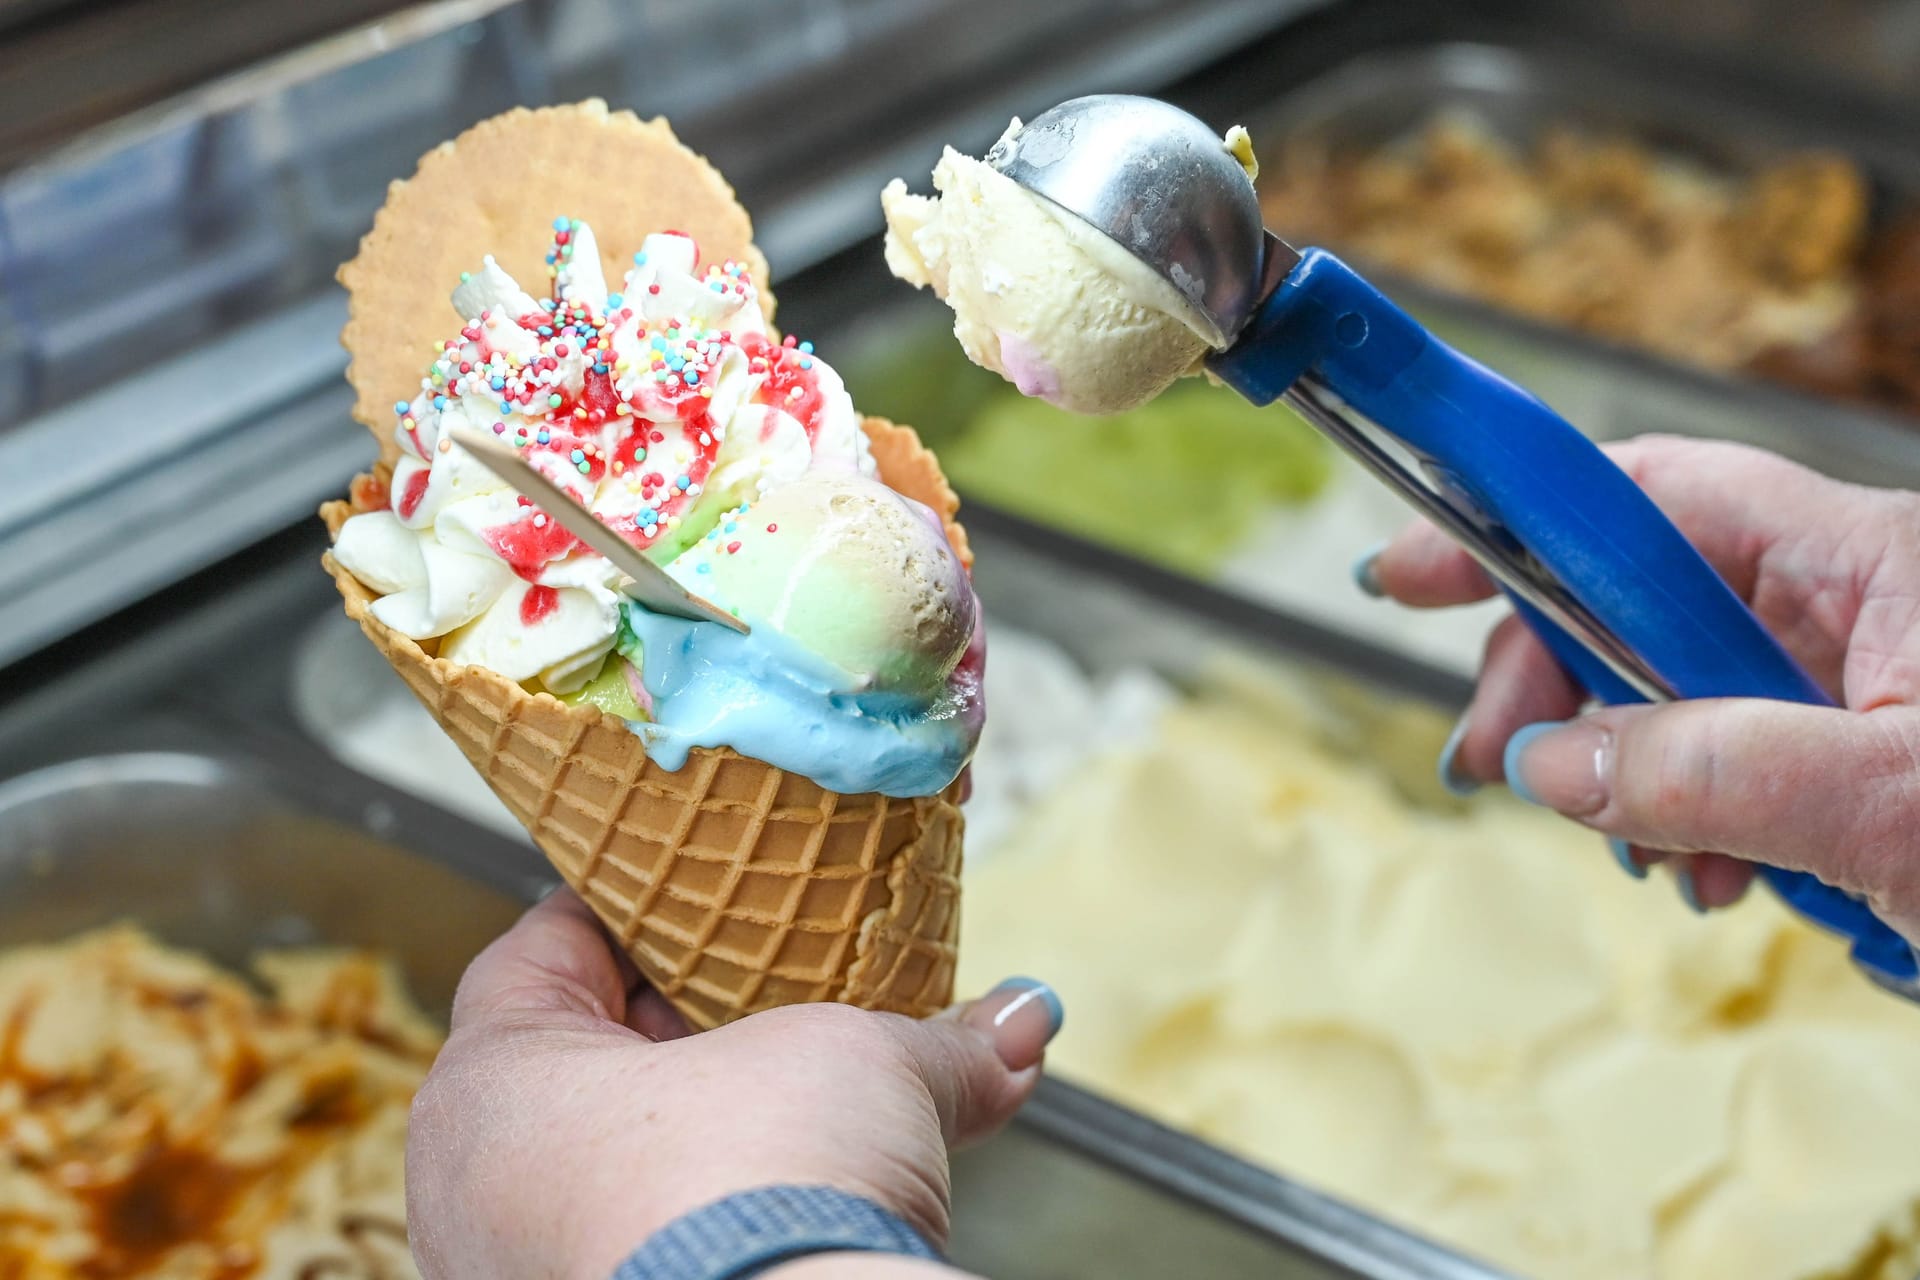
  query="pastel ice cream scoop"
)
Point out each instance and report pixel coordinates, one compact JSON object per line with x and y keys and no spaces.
{"x":849,"y":569}
{"x":1041,"y":296}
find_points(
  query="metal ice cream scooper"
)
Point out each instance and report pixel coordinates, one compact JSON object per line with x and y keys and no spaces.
{"x":1618,"y":594}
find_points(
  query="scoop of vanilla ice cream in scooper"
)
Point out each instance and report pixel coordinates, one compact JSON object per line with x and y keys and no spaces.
{"x":1040,"y":296}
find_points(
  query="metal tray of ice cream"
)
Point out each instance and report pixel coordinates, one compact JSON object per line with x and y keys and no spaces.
{"x":227,"y":854}
{"x":1374,"y":95}
{"x":230,"y":851}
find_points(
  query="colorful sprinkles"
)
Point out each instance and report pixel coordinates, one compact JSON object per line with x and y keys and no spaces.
{"x":599,"y":386}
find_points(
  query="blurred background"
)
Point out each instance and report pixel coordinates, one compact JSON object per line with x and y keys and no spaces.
{"x":1377,"y":1030}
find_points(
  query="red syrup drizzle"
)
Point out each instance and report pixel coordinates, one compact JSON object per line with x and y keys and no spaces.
{"x":416,"y":490}
{"x":538,"y":604}
{"x":659,"y":474}
{"x":531,"y":542}
{"x":783,"y":376}
{"x":598,"y":396}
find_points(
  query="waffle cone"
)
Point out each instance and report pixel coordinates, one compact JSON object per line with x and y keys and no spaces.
{"x":734,"y":885}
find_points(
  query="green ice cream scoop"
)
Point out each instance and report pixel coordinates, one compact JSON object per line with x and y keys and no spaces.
{"x":850,"y":570}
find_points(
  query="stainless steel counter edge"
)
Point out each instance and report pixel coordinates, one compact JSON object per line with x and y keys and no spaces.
{"x":197,"y":457}
{"x":182,"y":466}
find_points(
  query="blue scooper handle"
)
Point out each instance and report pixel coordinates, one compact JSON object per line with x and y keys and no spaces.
{"x":1519,"y":467}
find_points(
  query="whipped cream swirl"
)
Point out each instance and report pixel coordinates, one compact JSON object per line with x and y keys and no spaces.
{"x":663,"y":407}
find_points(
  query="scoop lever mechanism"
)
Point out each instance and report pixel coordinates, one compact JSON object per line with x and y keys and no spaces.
{"x":646,"y":583}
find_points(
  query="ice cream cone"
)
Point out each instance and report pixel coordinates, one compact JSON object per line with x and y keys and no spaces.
{"x":734,"y":885}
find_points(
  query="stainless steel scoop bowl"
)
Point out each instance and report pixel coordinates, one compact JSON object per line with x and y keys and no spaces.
{"x":1161,"y":183}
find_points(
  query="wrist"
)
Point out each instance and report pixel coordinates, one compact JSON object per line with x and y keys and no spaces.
{"x":757,"y":1231}
{"x":862,"y":1266}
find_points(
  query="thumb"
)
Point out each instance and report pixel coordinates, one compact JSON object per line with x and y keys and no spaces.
{"x":981,"y":1060}
{"x":1817,"y":789}
{"x":555,"y":962}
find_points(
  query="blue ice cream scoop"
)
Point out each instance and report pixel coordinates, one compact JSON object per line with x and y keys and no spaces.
{"x":1619,"y":595}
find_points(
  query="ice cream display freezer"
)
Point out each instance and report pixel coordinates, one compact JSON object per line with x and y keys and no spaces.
{"x":191,"y":734}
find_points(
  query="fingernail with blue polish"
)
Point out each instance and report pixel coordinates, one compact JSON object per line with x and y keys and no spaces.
{"x":1689,"y":890}
{"x":1366,"y":572}
{"x":1021,"y":1015}
{"x":1029,"y":990}
{"x":1451,"y":777}
{"x":1516,"y":747}
{"x":1623,"y":854}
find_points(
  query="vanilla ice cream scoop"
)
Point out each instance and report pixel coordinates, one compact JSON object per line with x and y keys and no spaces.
{"x":1039,"y":295}
{"x":849,"y":569}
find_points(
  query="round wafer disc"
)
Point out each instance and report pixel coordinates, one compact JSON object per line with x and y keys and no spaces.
{"x":497,"y":189}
